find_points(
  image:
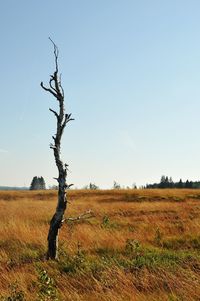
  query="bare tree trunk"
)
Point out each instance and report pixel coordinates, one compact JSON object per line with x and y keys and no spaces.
{"x":55,"y":88}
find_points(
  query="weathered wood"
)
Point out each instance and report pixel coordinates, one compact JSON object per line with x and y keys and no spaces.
{"x":55,"y":88}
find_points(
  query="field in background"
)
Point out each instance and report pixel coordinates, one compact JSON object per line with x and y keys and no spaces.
{"x":141,"y":245}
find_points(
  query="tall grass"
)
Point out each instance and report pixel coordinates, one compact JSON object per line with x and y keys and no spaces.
{"x":140,"y":245}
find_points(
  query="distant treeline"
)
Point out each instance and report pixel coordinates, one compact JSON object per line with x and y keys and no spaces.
{"x":167,"y":182}
{"x":13,"y":188}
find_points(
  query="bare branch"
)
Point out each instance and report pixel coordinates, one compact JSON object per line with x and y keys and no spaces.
{"x":60,"y":97}
{"x":66,"y":120}
{"x":67,"y":186}
{"x":53,"y":146}
{"x":63,"y":93}
{"x":55,"y":113}
{"x":86,"y":215}
{"x":50,"y":83}
{"x":48,"y":90}
{"x":56,"y":52}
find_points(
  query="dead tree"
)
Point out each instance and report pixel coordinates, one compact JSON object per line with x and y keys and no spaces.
{"x":55,"y":88}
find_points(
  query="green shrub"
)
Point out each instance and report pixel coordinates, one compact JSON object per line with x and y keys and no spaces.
{"x":76,"y":263}
{"x":105,"y":221}
{"x":108,"y":224}
{"x":15,"y":294}
{"x":47,"y":288}
{"x":132,"y":248}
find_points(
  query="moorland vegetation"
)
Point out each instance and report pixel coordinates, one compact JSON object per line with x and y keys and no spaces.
{"x":140,"y":245}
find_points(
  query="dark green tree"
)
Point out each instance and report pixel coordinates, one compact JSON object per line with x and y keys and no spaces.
{"x":37,"y":183}
{"x":180,"y":184}
{"x":34,"y":183}
{"x":162,"y":182}
{"x":93,"y":186}
{"x":42,"y":183}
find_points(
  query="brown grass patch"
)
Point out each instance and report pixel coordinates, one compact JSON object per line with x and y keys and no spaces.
{"x":160,"y":262}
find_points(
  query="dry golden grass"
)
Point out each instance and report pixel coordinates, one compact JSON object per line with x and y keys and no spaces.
{"x":141,"y":245}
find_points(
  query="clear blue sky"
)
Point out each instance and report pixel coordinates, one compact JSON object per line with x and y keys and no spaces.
{"x":131,"y":74}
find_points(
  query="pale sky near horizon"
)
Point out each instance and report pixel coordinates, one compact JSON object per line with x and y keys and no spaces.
{"x":131,"y":74}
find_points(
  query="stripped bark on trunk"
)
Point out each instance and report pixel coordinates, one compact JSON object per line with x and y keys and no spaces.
{"x":55,"y":88}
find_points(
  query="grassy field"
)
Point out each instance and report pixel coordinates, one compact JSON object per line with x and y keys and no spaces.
{"x":141,"y":245}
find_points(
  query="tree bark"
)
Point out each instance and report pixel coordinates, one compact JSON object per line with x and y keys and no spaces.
{"x":55,"y":88}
